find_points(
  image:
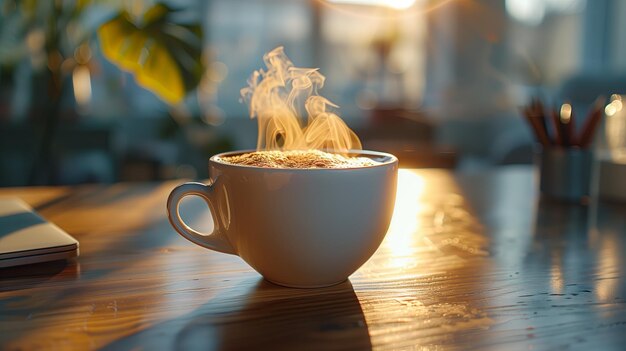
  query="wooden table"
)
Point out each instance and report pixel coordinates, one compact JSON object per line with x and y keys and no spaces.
{"x":470,"y":261}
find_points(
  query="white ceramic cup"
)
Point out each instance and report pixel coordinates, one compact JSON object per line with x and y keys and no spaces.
{"x":296,"y":227}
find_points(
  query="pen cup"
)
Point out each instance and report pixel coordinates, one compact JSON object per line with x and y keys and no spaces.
{"x":565,"y":173}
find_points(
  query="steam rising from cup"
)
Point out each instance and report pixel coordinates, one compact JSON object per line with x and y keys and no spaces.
{"x":281,"y":96}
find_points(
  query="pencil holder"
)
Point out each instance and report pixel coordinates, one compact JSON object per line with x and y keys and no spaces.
{"x":565,"y":173}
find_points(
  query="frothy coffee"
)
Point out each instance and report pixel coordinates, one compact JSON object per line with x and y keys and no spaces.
{"x":298,"y":159}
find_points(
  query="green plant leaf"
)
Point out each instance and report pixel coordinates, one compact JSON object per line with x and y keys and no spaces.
{"x":165,"y":57}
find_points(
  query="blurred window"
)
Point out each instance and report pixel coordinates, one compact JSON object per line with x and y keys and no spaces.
{"x":375,"y":51}
{"x":371,"y":51}
{"x":545,"y":39}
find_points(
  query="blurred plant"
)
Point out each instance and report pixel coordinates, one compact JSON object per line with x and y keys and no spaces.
{"x":43,"y":34}
{"x":164,"y":55}
{"x":159,"y":46}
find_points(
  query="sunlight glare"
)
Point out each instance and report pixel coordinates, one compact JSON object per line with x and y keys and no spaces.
{"x":405,"y":220}
{"x":394,"y":4}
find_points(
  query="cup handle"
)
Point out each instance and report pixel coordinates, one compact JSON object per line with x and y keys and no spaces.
{"x":214,"y":241}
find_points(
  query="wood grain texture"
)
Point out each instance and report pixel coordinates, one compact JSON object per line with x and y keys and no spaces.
{"x":470,"y":262}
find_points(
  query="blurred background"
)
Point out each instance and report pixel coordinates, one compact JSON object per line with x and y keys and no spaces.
{"x":107,"y":91}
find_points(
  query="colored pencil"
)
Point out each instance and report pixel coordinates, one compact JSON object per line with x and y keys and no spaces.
{"x":535,"y":125}
{"x":558,"y":130}
{"x":591,"y":122}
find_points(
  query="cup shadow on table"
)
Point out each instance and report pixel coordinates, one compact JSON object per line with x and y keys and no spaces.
{"x":265,"y":317}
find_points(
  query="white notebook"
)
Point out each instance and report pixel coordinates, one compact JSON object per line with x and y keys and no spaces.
{"x":25,"y":237}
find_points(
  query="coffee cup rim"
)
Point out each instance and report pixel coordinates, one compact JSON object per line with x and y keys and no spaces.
{"x":389,"y":159}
